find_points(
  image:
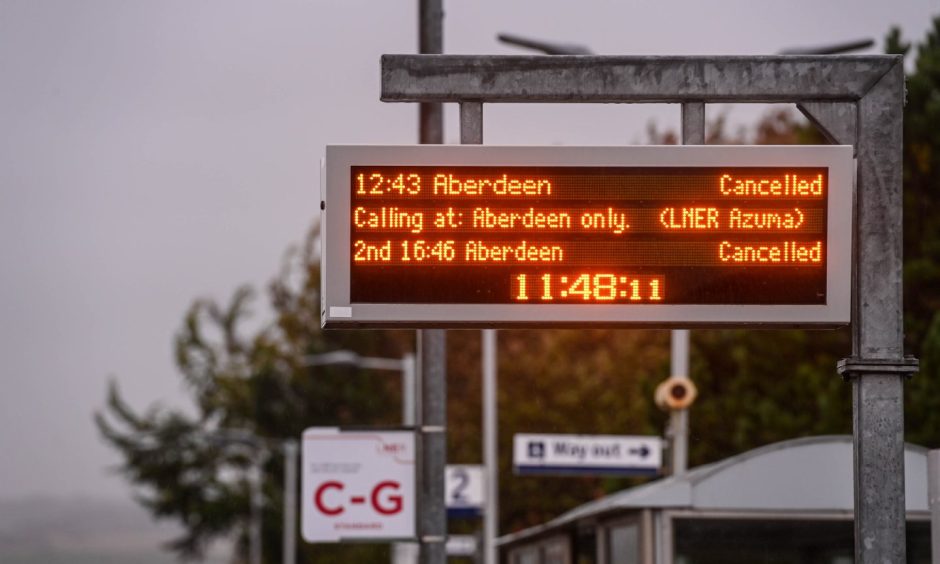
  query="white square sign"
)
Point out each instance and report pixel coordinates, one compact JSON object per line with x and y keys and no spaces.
{"x":357,"y":485}
{"x":463,"y":489}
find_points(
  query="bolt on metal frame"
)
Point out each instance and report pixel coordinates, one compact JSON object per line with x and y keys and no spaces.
{"x":853,"y":100}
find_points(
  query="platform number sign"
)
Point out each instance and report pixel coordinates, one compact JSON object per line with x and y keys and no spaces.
{"x":464,"y":490}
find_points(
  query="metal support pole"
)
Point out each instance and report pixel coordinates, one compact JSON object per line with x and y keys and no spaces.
{"x":257,"y":507}
{"x":679,"y":419}
{"x":432,"y":344}
{"x":876,"y":368}
{"x":933,"y":503}
{"x":432,"y":516}
{"x":693,"y":123}
{"x":407,"y":552}
{"x":490,"y":450}
{"x":471,"y":123}
{"x":431,"y":42}
{"x":693,"y":133}
{"x":471,"y":133}
{"x":408,"y":390}
{"x":290,"y":502}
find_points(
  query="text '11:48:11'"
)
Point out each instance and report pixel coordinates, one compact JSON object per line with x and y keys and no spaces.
{"x":587,"y":287}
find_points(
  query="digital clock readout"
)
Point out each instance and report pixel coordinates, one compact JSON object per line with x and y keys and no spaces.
{"x":588,"y":235}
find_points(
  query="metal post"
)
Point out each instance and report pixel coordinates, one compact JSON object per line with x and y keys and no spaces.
{"x":933,"y":502}
{"x":693,"y":133}
{"x":432,"y":516}
{"x":432,"y":344}
{"x":407,"y":552}
{"x":693,"y":123}
{"x":471,"y":123}
{"x":490,"y":451}
{"x":431,"y":42}
{"x":290,"y":502}
{"x":408,"y":368}
{"x":877,"y":328}
{"x":679,"y":419}
{"x":471,"y":133}
{"x":257,"y":507}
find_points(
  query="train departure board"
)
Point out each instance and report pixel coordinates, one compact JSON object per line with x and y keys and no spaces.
{"x":481,"y":236}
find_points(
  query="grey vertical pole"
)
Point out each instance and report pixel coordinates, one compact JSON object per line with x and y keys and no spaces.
{"x":432,"y":344}
{"x":933,"y":503}
{"x":432,"y":516}
{"x":490,"y":451}
{"x":256,"y":503}
{"x":679,"y":419}
{"x":471,"y":133}
{"x":693,"y":123}
{"x":877,"y":328}
{"x":693,"y":133}
{"x":430,"y":42}
{"x":408,"y":390}
{"x":290,"y":502}
{"x":407,"y":552}
{"x":471,"y":123}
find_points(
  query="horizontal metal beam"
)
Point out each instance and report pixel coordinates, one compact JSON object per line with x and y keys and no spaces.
{"x":605,"y":79}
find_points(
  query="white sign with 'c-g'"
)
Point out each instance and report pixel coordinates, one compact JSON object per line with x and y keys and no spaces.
{"x":357,"y":485}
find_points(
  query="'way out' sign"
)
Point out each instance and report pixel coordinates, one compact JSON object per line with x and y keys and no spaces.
{"x":357,"y":485}
{"x":587,"y":454}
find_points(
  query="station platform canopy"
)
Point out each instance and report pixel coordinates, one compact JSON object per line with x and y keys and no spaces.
{"x":805,"y":476}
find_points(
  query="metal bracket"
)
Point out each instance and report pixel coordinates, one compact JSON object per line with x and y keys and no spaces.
{"x":853,"y":367}
{"x":838,"y":121}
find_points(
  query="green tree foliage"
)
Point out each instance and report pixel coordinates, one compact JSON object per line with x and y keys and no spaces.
{"x":922,"y":233}
{"x":260,"y":384}
{"x":557,"y":381}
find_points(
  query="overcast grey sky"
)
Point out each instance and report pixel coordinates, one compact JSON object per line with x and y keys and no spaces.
{"x":155,"y":152}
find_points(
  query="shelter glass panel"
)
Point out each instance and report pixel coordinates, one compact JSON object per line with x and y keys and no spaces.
{"x":623,"y":544}
{"x":781,"y":541}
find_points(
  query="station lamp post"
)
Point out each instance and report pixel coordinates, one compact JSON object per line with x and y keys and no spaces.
{"x":406,"y":365}
{"x":261,"y":449}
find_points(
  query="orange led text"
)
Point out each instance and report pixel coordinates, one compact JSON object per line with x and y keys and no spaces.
{"x":789,"y":185}
{"x":531,"y":219}
{"x":610,"y":219}
{"x":689,"y":218}
{"x":389,"y":218}
{"x":782,"y":252}
{"x":450,"y":185}
{"x":481,"y":251}
{"x":747,"y":219}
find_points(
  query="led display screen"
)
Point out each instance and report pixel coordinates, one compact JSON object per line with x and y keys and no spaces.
{"x":547,"y":234}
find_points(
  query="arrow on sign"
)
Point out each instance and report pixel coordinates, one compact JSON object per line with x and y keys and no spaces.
{"x":643,"y":451}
